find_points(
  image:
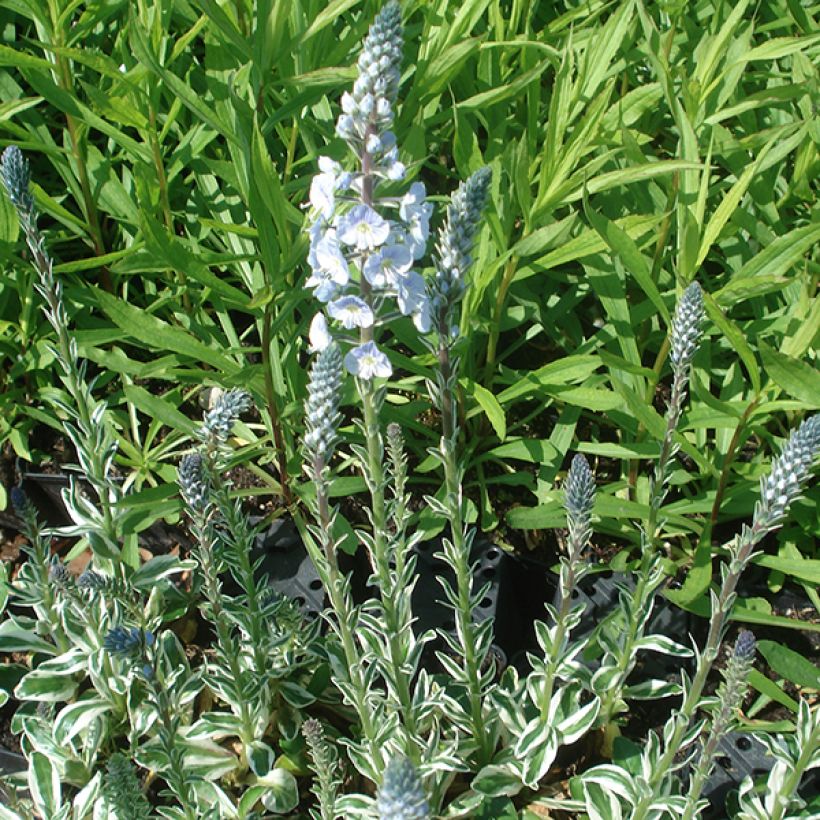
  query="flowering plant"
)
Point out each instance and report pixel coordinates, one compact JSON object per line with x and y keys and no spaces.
{"x":386,"y":718}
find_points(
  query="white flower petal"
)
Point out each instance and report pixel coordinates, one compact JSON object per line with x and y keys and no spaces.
{"x":318,"y":335}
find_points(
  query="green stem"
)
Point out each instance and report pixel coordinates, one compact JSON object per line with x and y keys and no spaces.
{"x":394,"y":627}
{"x":221,"y":623}
{"x":794,"y":775}
{"x":741,"y":554}
{"x":273,"y":407}
{"x":464,"y":579}
{"x":341,"y":606}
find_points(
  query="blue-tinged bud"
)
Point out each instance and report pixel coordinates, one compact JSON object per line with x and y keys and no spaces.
{"x":17,"y":178}
{"x":92,"y":580}
{"x":789,"y":471}
{"x":579,"y":498}
{"x":58,"y":574}
{"x":220,"y":419}
{"x":19,"y":502}
{"x":381,"y":56}
{"x":121,"y":640}
{"x":401,"y":796}
{"x":193,"y":483}
{"x":686,"y":327}
{"x":322,"y":408}
{"x":745,"y":646}
{"x":455,"y":242}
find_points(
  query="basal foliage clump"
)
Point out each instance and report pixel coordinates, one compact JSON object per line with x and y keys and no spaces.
{"x":364,"y":714}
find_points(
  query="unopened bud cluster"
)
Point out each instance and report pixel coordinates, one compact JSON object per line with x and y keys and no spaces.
{"x":789,"y":470}
{"x":579,"y":497}
{"x":220,"y":419}
{"x":455,"y":242}
{"x":322,"y":409}
{"x":193,"y":483}
{"x":377,"y":85}
{"x":686,"y":327}
{"x":401,"y":796}
{"x":17,"y":178}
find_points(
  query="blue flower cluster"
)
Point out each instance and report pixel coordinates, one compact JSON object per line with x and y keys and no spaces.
{"x":360,"y":258}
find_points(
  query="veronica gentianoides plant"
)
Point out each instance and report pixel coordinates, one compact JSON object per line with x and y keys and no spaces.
{"x":84,"y":418}
{"x":622,"y":636}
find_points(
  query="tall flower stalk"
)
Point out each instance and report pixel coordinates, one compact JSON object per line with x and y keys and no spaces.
{"x":778,"y":490}
{"x":579,"y":497}
{"x":685,"y":338}
{"x":729,"y":699}
{"x":321,"y":436}
{"x":451,"y":265}
{"x":87,"y":426}
{"x":361,"y":259}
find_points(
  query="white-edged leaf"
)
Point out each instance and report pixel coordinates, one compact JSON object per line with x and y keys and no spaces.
{"x":44,"y":784}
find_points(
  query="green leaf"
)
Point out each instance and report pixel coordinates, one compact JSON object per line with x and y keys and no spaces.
{"x":804,"y":568}
{"x":622,"y":244}
{"x":159,"y":335}
{"x":766,"y":686}
{"x":489,"y":404}
{"x":156,"y":407}
{"x":735,"y":338}
{"x":181,"y":90}
{"x":282,"y":795}
{"x":798,"y":379}
{"x":561,"y":372}
{"x":16,"y":638}
{"x":780,"y":254}
{"x":790,"y":665}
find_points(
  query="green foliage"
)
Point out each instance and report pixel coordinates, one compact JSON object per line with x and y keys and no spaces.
{"x":635,"y":148}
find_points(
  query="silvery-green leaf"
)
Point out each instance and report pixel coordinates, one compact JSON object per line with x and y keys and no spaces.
{"x":496,"y":780}
{"x":16,"y":637}
{"x":354,"y":806}
{"x":260,"y":757}
{"x":42,"y":685}
{"x":536,"y":764}
{"x":577,"y":724}
{"x":464,"y":806}
{"x":44,"y":784}
{"x":664,"y":645}
{"x":282,"y":792}
{"x":159,"y":567}
{"x":85,"y":799}
{"x":249,"y":798}
{"x":76,"y":717}
{"x":600,"y":803}
{"x":613,"y":778}
{"x":207,"y":760}
{"x":652,"y":689}
{"x":171,"y":813}
{"x":216,"y":726}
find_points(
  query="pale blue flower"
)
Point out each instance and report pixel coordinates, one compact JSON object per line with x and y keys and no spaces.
{"x":318,"y":334}
{"x":363,"y":229}
{"x":351,"y":311}
{"x":383,"y":269}
{"x":329,"y":267}
{"x":415,"y":212}
{"x":323,"y":194}
{"x":367,"y":361}
{"x":411,"y":294}
{"x":323,"y":187}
